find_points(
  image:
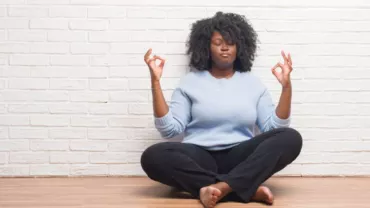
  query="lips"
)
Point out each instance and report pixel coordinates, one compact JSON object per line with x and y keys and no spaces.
{"x":224,"y":55}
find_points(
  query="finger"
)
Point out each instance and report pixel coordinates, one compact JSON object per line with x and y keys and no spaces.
{"x":285,"y":57}
{"x":147,"y":54}
{"x":158,"y":57}
{"x":278,"y":65}
{"x":275,"y":73}
{"x":162,"y":63}
{"x":290,"y":59}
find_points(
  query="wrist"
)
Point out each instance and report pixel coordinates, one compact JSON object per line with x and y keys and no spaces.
{"x":155,"y":83}
{"x":287,"y":86}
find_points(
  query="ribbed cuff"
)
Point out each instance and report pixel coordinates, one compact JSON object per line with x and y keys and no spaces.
{"x":164,"y":120}
{"x":278,"y":122}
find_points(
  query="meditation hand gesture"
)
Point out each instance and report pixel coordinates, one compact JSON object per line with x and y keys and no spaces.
{"x":155,"y":70}
{"x":283,"y":75}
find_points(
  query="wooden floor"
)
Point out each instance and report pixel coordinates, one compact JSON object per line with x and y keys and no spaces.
{"x":143,"y":193}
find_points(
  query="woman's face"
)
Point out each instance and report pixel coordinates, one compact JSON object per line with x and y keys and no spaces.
{"x":223,"y":53}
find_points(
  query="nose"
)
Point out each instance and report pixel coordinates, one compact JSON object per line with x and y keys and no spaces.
{"x":224,"y":47}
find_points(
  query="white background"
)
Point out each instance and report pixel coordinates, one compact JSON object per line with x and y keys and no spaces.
{"x":75,"y":93}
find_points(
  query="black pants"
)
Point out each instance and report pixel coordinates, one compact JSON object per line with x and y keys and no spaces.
{"x":244,"y":167}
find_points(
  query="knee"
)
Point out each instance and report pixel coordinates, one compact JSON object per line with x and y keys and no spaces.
{"x":293,"y":141}
{"x":151,"y":158}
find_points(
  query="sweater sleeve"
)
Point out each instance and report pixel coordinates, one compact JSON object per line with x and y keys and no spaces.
{"x":267,"y":118}
{"x":178,"y":116}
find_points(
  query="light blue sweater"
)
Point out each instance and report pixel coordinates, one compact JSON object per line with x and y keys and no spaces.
{"x":219,"y":113}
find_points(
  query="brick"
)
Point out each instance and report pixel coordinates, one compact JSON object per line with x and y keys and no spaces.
{"x":48,"y":2}
{"x":50,"y":120}
{"x":3,"y":158}
{"x":107,"y":12}
{"x":132,"y":48}
{"x":186,"y":13}
{"x":92,"y":97}
{"x":175,"y":60}
{"x":26,"y":60}
{"x":3,"y":11}
{"x":145,"y":84}
{"x":32,"y":84}
{"x":91,"y":146}
{"x":152,"y":35}
{"x":88,"y":121}
{"x":332,"y":170}
{"x":88,"y":24}
{"x":109,"y":36}
{"x":49,"y":48}
{"x":35,"y":96}
{"x":22,"y":35}
{"x":6,"y":2}
{"x":69,"y":60}
{"x":111,"y":60}
{"x":68,"y":108}
{"x":157,"y":13}
{"x":107,"y":134}
{"x":129,"y":96}
{"x":108,"y":158}
{"x":22,"y":11}
{"x":4,"y":133}
{"x":28,"y":158}
{"x":129,"y":72}
{"x":141,"y":109}
{"x":49,"y":170}
{"x":68,"y":11}
{"x":49,"y":24}
{"x":108,"y":84}
{"x":14,"y":120}
{"x":69,"y":157}
{"x":14,"y":48}
{"x":64,"y":84}
{"x":14,"y":170}
{"x":290,"y":170}
{"x":336,"y":146}
{"x":129,"y":146}
{"x":67,"y":133}
{"x":3,"y":109}
{"x":133,"y":122}
{"x":334,"y":158}
{"x":67,"y":36}
{"x":4,"y":60}
{"x":90,"y":48}
{"x":28,"y":133}
{"x":107,"y":109}
{"x":151,"y":24}
{"x":70,"y":72}
{"x":86,"y":170}
{"x":126,"y":170}
{"x":49,"y":145}
{"x":12,"y":146}
{"x":14,"y":24}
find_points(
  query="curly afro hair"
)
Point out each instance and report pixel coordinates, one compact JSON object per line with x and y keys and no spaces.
{"x":234,"y":28}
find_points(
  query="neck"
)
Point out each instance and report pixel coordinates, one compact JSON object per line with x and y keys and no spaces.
{"x":222,"y":73}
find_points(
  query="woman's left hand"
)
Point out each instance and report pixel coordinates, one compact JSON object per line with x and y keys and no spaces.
{"x":283,"y":75}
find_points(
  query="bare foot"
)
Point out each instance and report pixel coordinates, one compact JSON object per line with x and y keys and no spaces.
{"x":209,"y":196}
{"x":263,"y":194}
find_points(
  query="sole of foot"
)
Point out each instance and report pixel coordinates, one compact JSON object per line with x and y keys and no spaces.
{"x":263,"y":194}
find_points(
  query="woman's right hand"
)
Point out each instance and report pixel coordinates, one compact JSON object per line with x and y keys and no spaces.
{"x":155,"y":70}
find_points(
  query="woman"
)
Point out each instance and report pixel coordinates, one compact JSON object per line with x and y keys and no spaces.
{"x":217,"y":107}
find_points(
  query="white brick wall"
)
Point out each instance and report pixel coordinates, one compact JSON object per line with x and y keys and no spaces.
{"x":75,"y":94}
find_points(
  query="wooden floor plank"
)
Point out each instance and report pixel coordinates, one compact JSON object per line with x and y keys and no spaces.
{"x":102,"y":192}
